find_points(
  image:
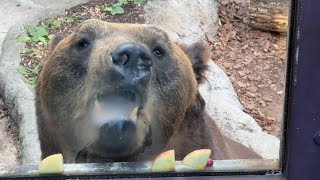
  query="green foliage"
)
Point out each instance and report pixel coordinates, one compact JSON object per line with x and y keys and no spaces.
{"x":54,"y":23}
{"x":24,"y":39}
{"x":23,"y":70}
{"x":107,"y":9}
{"x":117,"y":8}
{"x":38,"y":34}
{"x":36,"y":70}
{"x":137,"y":1}
{"x":31,"y":81}
{"x":50,"y":36}
{"x":120,"y":3}
{"x":43,"y":40}
{"x":68,"y":19}
{"x":25,"y":50}
{"x":36,"y":53}
{"x":30,"y":74}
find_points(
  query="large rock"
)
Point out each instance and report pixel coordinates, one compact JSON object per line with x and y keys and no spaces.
{"x":188,"y":22}
{"x":224,"y":106}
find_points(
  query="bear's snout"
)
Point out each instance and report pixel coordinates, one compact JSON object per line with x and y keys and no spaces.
{"x":132,"y":61}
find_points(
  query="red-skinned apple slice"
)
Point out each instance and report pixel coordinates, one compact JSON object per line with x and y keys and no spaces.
{"x":197,"y":159}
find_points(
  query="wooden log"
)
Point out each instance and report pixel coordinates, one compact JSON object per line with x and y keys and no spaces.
{"x":271,"y":15}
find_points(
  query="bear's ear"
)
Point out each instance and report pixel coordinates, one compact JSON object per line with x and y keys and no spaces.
{"x":199,"y":54}
{"x":54,"y":41}
{"x":52,"y":44}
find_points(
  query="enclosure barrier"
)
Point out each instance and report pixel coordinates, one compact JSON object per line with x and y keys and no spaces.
{"x":240,"y":165}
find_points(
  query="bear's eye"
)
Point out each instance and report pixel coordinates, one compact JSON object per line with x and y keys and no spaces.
{"x":83,"y":44}
{"x":158,"y":51}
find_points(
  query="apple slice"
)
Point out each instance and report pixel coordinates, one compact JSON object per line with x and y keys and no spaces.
{"x":197,"y":159}
{"x":52,"y":164}
{"x":164,"y":162}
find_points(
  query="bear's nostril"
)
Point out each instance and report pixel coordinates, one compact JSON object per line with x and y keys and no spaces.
{"x":131,"y":56}
{"x":120,"y":59}
{"x":144,"y":63}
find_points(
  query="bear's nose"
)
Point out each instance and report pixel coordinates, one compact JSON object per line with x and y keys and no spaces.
{"x":117,"y":136}
{"x":132,"y":60}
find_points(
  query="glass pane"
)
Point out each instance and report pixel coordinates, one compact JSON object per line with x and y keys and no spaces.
{"x":199,"y":88}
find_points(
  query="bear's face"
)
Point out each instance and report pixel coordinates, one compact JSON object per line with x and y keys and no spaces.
{"x":115,"y":89}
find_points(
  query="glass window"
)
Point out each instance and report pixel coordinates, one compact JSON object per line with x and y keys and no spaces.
{"x":135,"y":86}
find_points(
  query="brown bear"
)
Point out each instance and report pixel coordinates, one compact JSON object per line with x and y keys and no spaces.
{"x":125,"y":92}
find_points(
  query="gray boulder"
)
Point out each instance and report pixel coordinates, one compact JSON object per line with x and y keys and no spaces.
{"x":186,"y":21}
{"x":224,"y":106}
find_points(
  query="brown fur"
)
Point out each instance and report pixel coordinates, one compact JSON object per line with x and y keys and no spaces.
{"x":173,"y":115}
{"x":199,"y":131}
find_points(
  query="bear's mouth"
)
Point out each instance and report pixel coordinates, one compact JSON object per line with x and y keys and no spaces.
{"x":110,"y":108}
{"x":119,"y":120}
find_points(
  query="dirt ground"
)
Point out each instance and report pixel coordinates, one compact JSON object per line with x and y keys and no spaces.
{"x":8,"y":138}
{"x":254,"y":60}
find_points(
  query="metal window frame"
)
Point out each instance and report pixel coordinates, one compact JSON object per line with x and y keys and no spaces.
{"x":299,"y":152}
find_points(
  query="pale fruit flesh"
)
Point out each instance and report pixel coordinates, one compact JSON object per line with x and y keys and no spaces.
{"x":197,"y":159}
{"x":51,"y":165}
{"x":164,"y":162}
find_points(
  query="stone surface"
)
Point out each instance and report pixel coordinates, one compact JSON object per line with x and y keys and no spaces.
{"x":186,"y":21}
{"x":223,"y":105}
{"x":8,"y":140}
